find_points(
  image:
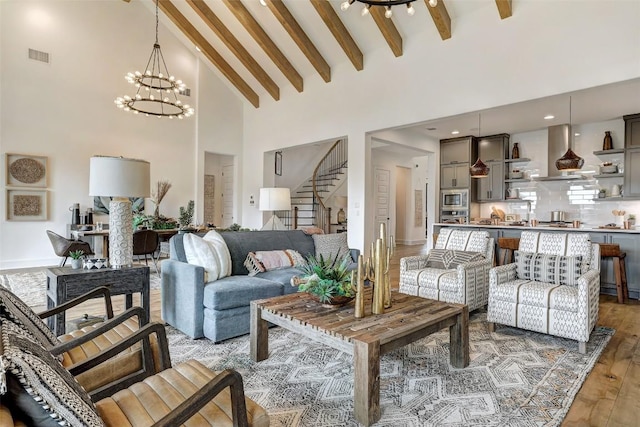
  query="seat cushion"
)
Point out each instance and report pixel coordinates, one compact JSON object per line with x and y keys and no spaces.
{"x":125,"y":363}
{"x":431,"y":277}
{"x":150,"y":400}
{"x":239,"y":291}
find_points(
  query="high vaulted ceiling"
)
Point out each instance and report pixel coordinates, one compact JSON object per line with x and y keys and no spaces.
{"x":267,"y":50}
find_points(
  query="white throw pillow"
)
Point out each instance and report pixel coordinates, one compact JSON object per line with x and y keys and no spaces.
{"x":210,"y":252}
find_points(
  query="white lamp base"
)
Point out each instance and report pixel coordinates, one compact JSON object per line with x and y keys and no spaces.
{"x":120,"y":233}
{"x":274,"y":223}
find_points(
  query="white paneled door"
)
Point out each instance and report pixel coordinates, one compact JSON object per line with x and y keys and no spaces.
{"x":382,"y":193}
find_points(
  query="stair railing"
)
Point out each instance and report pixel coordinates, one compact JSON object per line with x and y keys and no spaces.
{"x":326,"y":170}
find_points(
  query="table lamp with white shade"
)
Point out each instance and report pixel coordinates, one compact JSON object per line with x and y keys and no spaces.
{"x":275,"y":199}
{"x":119,"y":178}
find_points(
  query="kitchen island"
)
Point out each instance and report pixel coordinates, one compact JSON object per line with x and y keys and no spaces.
{"x":629,"y":241}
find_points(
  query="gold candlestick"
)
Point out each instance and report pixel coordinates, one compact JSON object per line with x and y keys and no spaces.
{"x":359,"y":311}
{"x":387,"y":282}
{"x":377,"y":306}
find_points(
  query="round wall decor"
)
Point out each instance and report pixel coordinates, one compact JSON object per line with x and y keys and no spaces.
{"x":27,"y":171}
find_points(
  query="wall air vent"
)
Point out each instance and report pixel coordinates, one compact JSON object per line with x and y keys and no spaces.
{"x":185,"y":92}
{"x":38,"y":55}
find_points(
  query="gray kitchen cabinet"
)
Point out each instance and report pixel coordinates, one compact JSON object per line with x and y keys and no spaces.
{"x":631,"y":131}
{"x":491,"y":188}
{"x":456,"y":150}
{"x":454,"y":176}
{"x":493,"y":148}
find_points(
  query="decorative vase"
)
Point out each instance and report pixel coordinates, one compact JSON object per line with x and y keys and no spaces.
{"x":341,"y":216}
{"x":76,"y":263}
{"x":515,"y":151}
{"x":607,"y":143}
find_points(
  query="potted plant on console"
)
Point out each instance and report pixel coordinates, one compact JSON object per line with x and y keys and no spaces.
{"x":186,"y":216}
{"x":76,"y":258}
{"x":328,"y":280}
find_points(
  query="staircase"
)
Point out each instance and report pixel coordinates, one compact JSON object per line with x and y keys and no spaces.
{"x":308,"y":200}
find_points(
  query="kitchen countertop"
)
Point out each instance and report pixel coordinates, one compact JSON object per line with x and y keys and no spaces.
{"x":543,"y":227}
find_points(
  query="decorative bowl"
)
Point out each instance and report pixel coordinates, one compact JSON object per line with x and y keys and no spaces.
{"x":517,"y":175}
{"x":609,"y":169}
{"x":336,"y":301}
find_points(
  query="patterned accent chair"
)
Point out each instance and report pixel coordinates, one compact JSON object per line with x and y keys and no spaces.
{"x":456,"y":270}
{"x":553,"y":287}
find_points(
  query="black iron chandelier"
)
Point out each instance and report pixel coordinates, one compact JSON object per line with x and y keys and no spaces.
{"x":156,"y":78}
{"x":386,"y":4}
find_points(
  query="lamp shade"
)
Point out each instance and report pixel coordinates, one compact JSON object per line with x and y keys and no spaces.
{"x":118,"y":177}
{"x":275,"y":199}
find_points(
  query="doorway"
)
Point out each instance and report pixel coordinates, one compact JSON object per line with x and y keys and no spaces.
{"x":218,"y":189}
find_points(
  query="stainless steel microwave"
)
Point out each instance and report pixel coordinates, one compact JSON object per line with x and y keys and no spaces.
{"x":454,"y":199}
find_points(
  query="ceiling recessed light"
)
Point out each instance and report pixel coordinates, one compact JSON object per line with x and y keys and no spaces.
{"x":455,"y":132}
{"x":576,"y":134}
{"x":549,"y":117}
{"x":198,"y":49}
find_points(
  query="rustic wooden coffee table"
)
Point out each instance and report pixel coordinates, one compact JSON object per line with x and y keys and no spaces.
{"x":409,"y":319}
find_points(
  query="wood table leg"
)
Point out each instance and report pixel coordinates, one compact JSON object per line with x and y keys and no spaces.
{"x":366,"y":381}
{"x":459,"y":340}
{"x":259,"y":338}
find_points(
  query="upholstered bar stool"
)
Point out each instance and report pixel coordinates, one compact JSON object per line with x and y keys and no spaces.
{"x":613,"y":251}
{"x":507,"y":245}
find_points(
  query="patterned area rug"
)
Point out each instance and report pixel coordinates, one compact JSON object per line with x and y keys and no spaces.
{"x":31,"y":287}
{"x":515,"y":378}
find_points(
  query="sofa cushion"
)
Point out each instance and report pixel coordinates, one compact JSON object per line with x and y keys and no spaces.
{"x":42,"y":391}
{"x":282,"y":276}
{"x":331,"y":246}
{"x":557,"y":269}
{"x":446,"y":258}
{"x":209,"y":252}
{"x":238,"y":291}
{"x":276,"y":260}
{"x":240,"y":243}
{"x":253,"y":265}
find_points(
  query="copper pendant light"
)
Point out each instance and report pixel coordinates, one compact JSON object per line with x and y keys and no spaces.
{"x":479,"y":169}
{"x":570,"y":161}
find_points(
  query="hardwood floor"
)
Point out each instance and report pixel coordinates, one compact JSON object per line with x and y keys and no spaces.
{"x":609,"y":397}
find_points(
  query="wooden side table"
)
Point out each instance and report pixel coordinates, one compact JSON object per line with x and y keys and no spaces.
{"x":65,"y":283}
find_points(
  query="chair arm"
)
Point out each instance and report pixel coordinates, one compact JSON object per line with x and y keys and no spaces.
{"x":102,"y":290}
{"x":182,"y":297}
{"x":148,"y":365}
{"x":588,"y":289}
{"x":101,"y":329}
{"x":502,"y":274}
{"x":188,"y":408}
{"x":417,"y":262}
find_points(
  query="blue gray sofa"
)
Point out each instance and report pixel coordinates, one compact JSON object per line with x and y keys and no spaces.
{"x":219,"y":310}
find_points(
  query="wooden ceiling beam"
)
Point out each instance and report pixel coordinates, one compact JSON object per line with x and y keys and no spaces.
{"x":340,"y":32}
{"x":504,"y":8}
{"x":388,"y":30}
{"x":441,"y":18}
{"x":298,"y":35}
{"x":212,"y":55}
{"x":260,"y":36}
{"x":232,"y":43}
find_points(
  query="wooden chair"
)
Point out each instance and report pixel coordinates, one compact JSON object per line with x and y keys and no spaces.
{"x":608,"y":250}
{"x":507,"y":246}
{"x":146,"y":242}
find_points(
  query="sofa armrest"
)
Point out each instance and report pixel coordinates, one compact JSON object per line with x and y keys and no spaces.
{"x":502,"y":274}
{"x":589,"y":294}
{"x":182,"y":297}
{"x":417,"y":262}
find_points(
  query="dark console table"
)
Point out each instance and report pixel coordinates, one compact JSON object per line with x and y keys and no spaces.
{"x":65,"y":283}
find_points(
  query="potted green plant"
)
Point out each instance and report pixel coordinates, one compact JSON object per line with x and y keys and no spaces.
{"x":186,"y":216}
{"x":328,"y":280}
{"x":632,"y":219}
{"x":76,"y":258}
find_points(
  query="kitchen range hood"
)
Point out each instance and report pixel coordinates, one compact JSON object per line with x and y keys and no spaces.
{"x":557,"y":144}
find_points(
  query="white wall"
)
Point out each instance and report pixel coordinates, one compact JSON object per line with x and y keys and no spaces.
{"x":64,"y":110}
{"x":539,"y":51}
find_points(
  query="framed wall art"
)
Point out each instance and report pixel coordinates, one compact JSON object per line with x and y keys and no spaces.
{"x":26,"y":205}
{"x":278,"y":163}
{"x":24,"y":170}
